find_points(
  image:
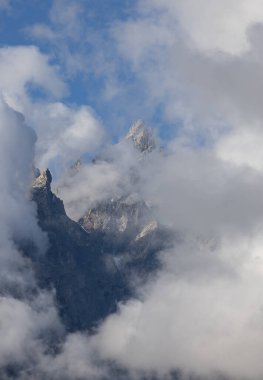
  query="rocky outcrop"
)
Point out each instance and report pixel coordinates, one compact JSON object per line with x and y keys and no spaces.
{"x":123,"y":216}
{"x":90,"y":263}
{"x":128,"y":219}
{"x":85,"y":278}
{"x":141,"y":137}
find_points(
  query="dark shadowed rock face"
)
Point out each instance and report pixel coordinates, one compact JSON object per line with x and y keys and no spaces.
{"x":92,"y":263}
{"x":86,"y":281}
{"x":91,"y":270}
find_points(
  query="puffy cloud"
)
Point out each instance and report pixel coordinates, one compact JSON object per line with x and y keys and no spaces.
{"x":201,"y":314}
{"x":22,"y":66}
{"x":209,"y":80}
{"x":29,"y":322}
{"x":228,"y":22}
{"x":64,"y":133}
{"x":108,"y":178}
{"x":25,"y":312}
{"x":197,"y":192}
{"x":16,"y":156}
{"x":22,"y":327}
{"x":242,"y":148}
{"x":198,"y":321}
{"x":77,"y":360}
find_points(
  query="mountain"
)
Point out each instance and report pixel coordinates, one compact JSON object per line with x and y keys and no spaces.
{"x":91,"y":264}
{"x":88,"y":267}
{"x":128,"y":221}
{"x":127,"y":217}
{"x":87,"y":282}
{"x":142,"y":137}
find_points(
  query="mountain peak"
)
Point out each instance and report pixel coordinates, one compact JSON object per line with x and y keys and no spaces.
{"x":141,"y":136}
{"x":42,"y":179}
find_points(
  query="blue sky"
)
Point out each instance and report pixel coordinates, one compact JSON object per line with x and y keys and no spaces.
{"x":88,"y":84}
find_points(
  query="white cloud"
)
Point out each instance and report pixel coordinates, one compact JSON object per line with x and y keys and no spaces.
{"x":22,"y":325}
{"x":213,"y":25}
{"x":208,"y":84}
{"x":100,"y":181}
{"x":26,"y":313}
{"x":242,"y":148}
{"x":77,"y":360}
{"x":21,"y":66}
{"x":202,"y":312}
{"x":203,"y":323}
{"x":64,"y":132}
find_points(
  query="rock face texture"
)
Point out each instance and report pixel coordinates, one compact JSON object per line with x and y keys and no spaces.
{"x":90,"y":270}
{"x":86,"y":281}
{"x":142,"y":137}
{"x":123,"y":216}
{"x":90,"y":263}
{"x":128,"y":222}
{"x":127,"y":217}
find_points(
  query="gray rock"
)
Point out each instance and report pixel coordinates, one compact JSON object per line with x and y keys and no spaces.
{"x":141,"y":137}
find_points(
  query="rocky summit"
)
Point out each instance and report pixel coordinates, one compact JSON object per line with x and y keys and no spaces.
{"x":141,"y":137}
{"x":128,"y":217}
{"x":90,"y":263}
{"x":86,"y":281}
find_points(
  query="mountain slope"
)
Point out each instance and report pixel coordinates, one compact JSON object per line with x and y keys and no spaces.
{"x":87,"y":283}
{"x":90,"y":270}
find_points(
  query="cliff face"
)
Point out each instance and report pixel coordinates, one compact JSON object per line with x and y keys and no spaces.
{"x":90,"y":263}
{"x":90,"y":269}
{"x":141,"y":137}
{"x":86,"y":281}
{"x":128,"y":222}
{"x":128,"y":217}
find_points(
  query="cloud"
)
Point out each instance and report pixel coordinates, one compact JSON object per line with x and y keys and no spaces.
{"x":77,"y":360}
{"x":109,"y":177}
{"x":64,"y":29}
{"x":22,"y":327}
{"x":242,"y":148}
{"x":209,"y":85}
{"x":16,"y":173}
{"x":201,"y":314}
{"x":197,"y":192}
{"x":22,"y":66}
{"x":64,"y":133}
{"x":29,"y":322}
{"x":228,"y":22}
{"x":4,"y":4}
{"x":200,"y":325}
{"x":25,"y":313}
